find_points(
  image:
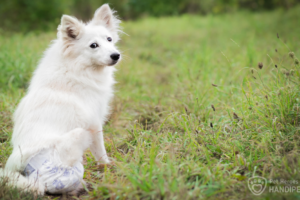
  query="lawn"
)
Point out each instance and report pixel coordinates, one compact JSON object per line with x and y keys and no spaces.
{"x":194,"y":116}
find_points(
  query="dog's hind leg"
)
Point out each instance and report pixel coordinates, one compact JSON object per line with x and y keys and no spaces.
{"x":72,"y":145}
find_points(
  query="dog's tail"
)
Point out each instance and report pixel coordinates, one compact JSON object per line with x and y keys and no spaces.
{"x":15,"y":179}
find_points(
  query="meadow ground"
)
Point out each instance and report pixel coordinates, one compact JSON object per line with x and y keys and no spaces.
{"x":194,"y":117}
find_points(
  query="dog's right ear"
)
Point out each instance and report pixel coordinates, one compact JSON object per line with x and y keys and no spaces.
{"x":70,"y":28}
{"x":106,"y":17}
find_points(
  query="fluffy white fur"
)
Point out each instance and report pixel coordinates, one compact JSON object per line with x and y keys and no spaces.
{"x":68,"y":98}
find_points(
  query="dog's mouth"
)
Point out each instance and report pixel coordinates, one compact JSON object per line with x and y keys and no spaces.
{"x":113,"y":63}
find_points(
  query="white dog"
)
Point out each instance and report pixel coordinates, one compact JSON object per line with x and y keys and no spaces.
{"x":66,"y":106}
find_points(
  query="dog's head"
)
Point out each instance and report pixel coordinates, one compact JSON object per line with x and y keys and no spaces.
{"x":92,"y":43}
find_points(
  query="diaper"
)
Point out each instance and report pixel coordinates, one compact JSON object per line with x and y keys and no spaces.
{"x":46,"y":168}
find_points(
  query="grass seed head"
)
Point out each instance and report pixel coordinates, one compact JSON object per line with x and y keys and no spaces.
{"x":277,"y":36}
{"x":235,"y":116}
{"x":291,"y":54}
{"x":287,"y":73}
{"x":186,"y":110}
{"x":296,"y":61}
{"x":254,"y":77}
{"x":266,"y":96}
{"x":292,"y":72}
{"x":214,"y":85}
{"x":213,"y":107}
{"x":260,"y":65}
{"x":250,"y":108}
{"x":252,"y":71}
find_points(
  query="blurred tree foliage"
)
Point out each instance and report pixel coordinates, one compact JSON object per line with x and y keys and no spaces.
{"x":24,"y":15}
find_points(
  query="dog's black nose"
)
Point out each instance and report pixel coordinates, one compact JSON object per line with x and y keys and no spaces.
{"x":115,"y":56}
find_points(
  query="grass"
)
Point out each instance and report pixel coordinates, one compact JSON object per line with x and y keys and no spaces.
{"x":193,"y":115}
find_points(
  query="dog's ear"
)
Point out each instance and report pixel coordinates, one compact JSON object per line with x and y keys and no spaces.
{"x":105,"y":16}
{"x":70,"y":27}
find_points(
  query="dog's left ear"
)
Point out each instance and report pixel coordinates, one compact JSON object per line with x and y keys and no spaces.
{"x":105,"y":16}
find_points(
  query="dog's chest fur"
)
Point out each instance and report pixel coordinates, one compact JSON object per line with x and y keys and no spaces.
{"x":89,"y":88}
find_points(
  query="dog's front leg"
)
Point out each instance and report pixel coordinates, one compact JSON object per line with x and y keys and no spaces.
{"x":98,"y":148}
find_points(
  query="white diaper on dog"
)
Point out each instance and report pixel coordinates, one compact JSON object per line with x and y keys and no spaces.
{"x":46,"y":168}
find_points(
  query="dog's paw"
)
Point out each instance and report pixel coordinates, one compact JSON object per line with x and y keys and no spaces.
{"x":81,"y":138}
{"x":102,"y":166}
{"x":104,"y":160}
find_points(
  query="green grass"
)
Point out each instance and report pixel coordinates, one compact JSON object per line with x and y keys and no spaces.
{"x":166,"y":140}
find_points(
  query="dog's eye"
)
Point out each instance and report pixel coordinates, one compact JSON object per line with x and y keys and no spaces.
{"x":94,"y":45}
{"x":109,"y":39}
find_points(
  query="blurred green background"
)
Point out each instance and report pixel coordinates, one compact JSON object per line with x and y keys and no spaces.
{"x":25,"y":15}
